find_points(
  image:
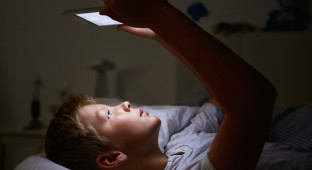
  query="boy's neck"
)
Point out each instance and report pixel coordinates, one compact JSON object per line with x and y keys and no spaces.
{"x":155,"y":161}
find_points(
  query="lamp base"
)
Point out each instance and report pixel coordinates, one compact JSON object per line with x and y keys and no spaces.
{"x":34,"y":124}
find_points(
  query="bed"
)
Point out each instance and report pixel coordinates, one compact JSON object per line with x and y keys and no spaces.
{"x":288,"y":146}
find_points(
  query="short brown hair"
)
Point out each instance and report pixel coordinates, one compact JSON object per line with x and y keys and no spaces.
{"x":71,"y":143}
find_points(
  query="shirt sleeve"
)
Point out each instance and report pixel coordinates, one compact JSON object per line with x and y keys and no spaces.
{"x":205,"y":164}
{"x":209,"y":118}
{"x":177,"y":163}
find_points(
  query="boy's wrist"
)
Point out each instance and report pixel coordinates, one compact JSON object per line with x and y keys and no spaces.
{"x":160,"y":16}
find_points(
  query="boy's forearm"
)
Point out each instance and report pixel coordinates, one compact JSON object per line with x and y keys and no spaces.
{"x":228,"y":77}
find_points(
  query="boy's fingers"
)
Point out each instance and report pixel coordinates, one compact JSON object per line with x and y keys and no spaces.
{"x":102,"y":11}
{"x":111,"y":14}
{"x":129,"y":29}
{"x":123,"y":27}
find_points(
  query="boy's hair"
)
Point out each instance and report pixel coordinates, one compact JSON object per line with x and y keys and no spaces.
{"x":71,"y":143}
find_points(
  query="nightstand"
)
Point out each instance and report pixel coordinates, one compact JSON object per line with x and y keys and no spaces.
{"x":17,"y":144}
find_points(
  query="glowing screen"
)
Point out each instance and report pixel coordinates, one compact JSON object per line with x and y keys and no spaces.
{"x":97,"y":19}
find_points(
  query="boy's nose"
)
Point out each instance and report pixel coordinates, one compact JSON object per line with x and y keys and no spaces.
{"x":126,"y":106}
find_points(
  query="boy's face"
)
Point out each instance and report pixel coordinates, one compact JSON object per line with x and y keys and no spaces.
{"x":123,"y":125}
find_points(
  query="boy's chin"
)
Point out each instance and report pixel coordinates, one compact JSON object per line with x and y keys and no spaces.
{"x":156,"y":121}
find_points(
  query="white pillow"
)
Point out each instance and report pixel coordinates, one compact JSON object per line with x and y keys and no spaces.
{"x":38,"y":162}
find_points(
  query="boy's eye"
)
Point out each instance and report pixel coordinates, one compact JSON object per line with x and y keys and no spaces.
{"x":108,"y":115}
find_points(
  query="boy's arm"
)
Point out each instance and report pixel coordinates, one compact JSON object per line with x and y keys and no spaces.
{"x":244,"y":94}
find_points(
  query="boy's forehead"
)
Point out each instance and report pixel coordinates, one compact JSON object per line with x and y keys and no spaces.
{"x":87,"y":112}
{"x":91,"y":109}
{"x":93,"y":106}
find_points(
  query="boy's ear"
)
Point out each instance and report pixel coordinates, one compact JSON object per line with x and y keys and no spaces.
{"x":110,"y":160}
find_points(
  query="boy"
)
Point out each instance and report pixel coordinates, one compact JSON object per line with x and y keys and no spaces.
{"x":126,"y":138}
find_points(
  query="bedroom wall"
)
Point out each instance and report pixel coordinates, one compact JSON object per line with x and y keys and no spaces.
{"x":37,"y":40}
{"x":283,"y":57}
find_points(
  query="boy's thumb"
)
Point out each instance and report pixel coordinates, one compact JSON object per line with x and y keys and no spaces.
{"x":111,"y":14}
{"x":103,"y":11}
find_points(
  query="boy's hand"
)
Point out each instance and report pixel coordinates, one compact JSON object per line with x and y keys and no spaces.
{"x":143,"y":32}
{"x":137,"y":13}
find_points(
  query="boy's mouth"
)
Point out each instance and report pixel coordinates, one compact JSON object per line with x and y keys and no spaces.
{"x":142,"y":113}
